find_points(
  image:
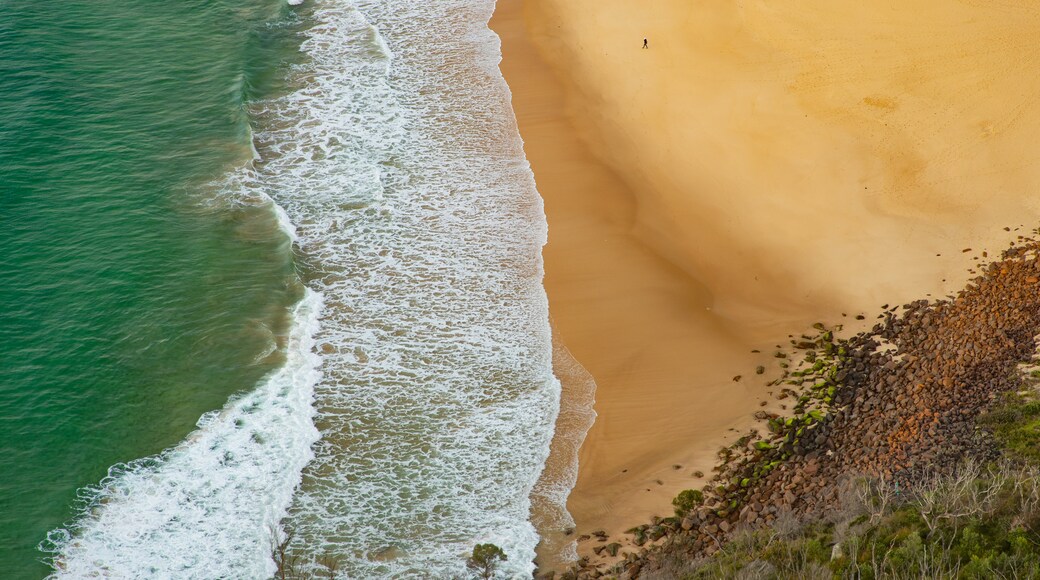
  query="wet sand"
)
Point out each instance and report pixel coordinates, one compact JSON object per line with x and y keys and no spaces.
{"x":756,"y":170}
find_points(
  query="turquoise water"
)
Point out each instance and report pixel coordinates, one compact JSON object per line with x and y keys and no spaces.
{"x":191,"y":372}
{"x":134,"y":295}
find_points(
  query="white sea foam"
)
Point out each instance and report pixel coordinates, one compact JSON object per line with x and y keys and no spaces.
{"x":418,"y":222}
{"x":208,"y":507}
{"x":549,"y":497}
{"x":400,"y":162}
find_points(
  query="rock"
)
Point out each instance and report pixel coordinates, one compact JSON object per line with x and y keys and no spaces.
{"x":387,"y":553}
{"x":688,"y":523}
{"x":612,"y":549}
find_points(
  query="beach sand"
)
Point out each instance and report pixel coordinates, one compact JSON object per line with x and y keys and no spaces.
{"x":759,"y":168}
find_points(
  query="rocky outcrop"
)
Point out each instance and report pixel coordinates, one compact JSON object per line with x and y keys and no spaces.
{"x":896,"y":403}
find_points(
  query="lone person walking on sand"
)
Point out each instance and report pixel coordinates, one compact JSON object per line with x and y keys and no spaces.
{"x":645,"y":44}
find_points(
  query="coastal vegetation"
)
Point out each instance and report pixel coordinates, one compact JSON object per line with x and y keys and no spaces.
{"x":980,"y":522}
{"x":1016,"y":425}
{"x":485,"y":560}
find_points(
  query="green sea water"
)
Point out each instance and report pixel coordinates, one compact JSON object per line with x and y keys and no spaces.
{"x":135,"y":294}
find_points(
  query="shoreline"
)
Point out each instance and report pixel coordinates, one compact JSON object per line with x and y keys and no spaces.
{"x":698,"y":213}
{"x":604,"y":284}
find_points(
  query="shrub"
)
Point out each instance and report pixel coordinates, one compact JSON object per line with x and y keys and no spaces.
{"x":686,"y":501}
{"x":1016,"y":426}
{"x":485,"y":560}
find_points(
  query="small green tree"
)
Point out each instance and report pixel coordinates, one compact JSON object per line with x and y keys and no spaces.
{"x":686,"y":501}
{"x":485,"y":560}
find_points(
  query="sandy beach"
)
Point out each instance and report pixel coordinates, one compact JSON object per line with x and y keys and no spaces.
{"x":756,"y":169}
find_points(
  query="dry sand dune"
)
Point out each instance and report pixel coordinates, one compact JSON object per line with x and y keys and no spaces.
{"x":763,"y":165}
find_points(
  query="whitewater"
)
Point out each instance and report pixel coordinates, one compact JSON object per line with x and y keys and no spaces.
{"x":415,"y":411}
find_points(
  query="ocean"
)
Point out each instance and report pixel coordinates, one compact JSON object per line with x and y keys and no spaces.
{"x":272,"y":274}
